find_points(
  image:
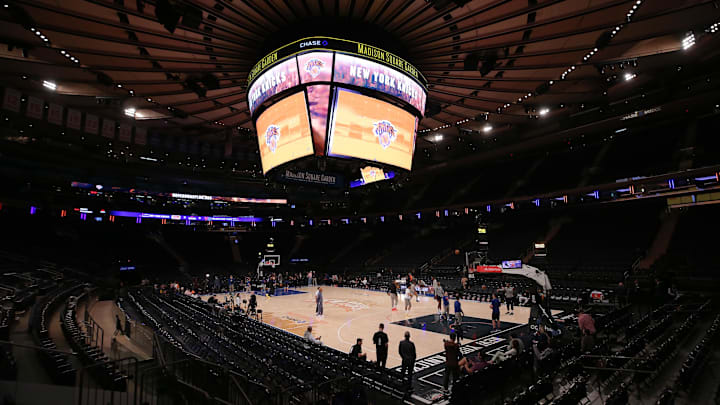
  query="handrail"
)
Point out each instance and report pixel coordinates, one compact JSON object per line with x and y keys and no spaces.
{"x":234,"y":380}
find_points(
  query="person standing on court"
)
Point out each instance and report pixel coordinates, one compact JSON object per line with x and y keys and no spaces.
{"x":495,"y":305}
{"x":392,"y":292}
{"x":439,"y":292}
{"x":509,"y":299}
{"x":380,"y":339}
{"x":406,"y":348}
{"x":408,"y":299}
{"x":319,"y":302}
{"x":458,"y":310}
{"x":452,"y":354}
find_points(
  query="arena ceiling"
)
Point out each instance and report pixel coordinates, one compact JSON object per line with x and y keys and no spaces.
{"x":493,"y":66}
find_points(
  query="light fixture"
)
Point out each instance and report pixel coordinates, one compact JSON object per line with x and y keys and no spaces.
{"x":130,"y":112}
{"x":689,"y":40}
{"x":487,"y":128}
{"x":438,"y":138}
{"x":629,"y":76}
{"x":544,"y":111}
{"x":50,"y":85}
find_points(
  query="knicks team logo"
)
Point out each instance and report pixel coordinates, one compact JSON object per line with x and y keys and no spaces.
{"x":386,"y":133}
{"x":314,"y":66}
{"x":272,"y":136}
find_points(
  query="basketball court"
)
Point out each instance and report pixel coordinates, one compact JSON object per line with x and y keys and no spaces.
{"x":351,"y":313}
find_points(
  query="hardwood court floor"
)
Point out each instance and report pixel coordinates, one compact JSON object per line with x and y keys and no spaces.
{"x":354,"y":313}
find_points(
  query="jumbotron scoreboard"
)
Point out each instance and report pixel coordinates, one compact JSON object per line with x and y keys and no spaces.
{"x":324,"y":96}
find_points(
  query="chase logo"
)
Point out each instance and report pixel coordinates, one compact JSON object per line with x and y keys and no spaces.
{"x":306,"y":44}
{"x":386,"y":133}
{"x":272,"y":136}
{"x":314,"y":66}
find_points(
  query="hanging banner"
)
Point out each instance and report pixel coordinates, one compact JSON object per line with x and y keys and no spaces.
{"x":125,"y":133}
{"x":92,"y":124}
{"x":74,"y":119}
{"x":140,"y":136}
{"x":108,"y":129}
{"x":55,"y":114}
{"x":11,"y":100}
{"x":34,"y":108}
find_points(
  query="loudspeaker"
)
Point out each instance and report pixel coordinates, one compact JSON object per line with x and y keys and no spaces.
{"x":167,"y":14}
{"x":210,"y":81}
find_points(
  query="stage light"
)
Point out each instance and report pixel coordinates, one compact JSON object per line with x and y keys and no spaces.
{"x":487,"y":128}
{"x":544,"y":111}
{"x":688,"y":41}
{"x":50,"y":85}
{"x":130,"y":112}
{"x":629,"y":76}
{"x":438,"y":138}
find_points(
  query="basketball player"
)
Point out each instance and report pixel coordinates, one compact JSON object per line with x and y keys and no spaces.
{"x":408,"y":299}
{"x":392,"y":292}
{"x":495,"y":305}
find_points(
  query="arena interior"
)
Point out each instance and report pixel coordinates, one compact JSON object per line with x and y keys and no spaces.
{"x":285,"y":202}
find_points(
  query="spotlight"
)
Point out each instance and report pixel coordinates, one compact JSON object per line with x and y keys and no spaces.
{"x":50,"y":85}
{"x":689,"y":40}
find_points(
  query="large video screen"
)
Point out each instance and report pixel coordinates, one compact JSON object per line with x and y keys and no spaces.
{"x":370,"y":129}
{"x":370,"y":75}
{"x":319,"y":103}
{"x":315,"y":67}
{"x":284,"y":132}
{"x":278,"y":78}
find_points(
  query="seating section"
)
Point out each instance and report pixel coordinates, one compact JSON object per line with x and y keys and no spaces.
{"x":104,"y":372}
{"x":56,"y":364}
{"x":264,"y":354}
{"x":8,"y":366}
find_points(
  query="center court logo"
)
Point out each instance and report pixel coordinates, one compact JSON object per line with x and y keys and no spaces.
{"x":272,"y":136}
{"x":385,"y":132}
{"x":348,"y":306}
{"x":314,"y":66}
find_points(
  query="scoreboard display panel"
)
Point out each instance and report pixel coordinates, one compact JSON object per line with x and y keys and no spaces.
{"x":358,"y":101}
